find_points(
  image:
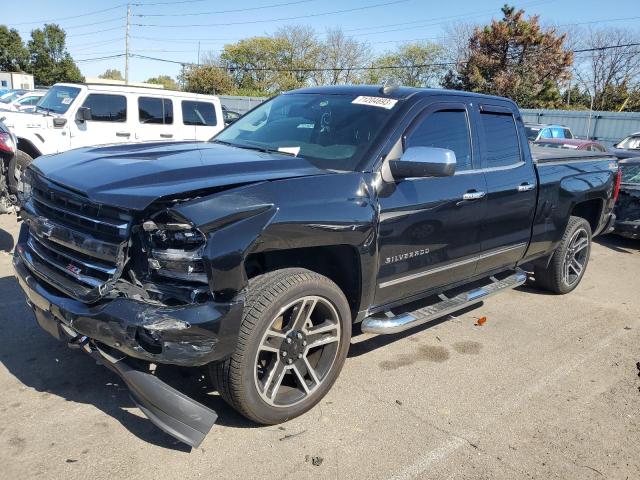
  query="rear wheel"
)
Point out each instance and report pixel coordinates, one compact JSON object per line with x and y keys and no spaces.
{"x":293,"y":342}
{"x":570,"y":259}
{"x":17,"y":166}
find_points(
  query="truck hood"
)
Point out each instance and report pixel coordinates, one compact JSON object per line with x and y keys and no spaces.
{"x":133,"y":176}
{"x":21,"y":120}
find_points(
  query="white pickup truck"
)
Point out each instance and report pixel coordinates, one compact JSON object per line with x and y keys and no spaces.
{"x":80,"y":115}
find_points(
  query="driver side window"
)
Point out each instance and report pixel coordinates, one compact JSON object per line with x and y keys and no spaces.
{"x":445,"y":129}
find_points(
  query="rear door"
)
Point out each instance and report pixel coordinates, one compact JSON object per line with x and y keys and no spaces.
{"x":155,"y":119}
{"x":511,"y":187}
{"x":110,"y":121}
{"x":428,"y":234}
{"x":203,"y":117}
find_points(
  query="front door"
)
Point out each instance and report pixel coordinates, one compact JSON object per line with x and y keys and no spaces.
{"x":511,"y":187}
{"x":110,"y":122}
{"x":429,"y":227}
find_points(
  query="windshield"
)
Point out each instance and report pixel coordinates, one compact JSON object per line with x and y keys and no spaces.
{"x":333,"y":131}
{"x":631,"y":143}
{"x":630,"y":173}
{"x":10,"y":97}
{"x":532,"y":132}
{"x":58,"y":99}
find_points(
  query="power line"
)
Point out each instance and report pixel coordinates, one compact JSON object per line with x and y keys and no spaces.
{"x":74,"y":35}
{"x":151,"y":4}
{"x":84,"y":25}
{"x":248,"y":9}
{"x":51,"y":20}
{"x":312,"y":15}
{"x":99,"y":58}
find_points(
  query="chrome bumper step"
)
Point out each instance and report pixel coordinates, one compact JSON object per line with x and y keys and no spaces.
{"x":389,"y":323}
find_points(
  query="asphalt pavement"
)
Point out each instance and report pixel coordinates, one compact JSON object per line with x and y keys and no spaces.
{"x":547,"y":387}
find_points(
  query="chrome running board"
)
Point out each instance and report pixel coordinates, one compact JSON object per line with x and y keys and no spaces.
{"x":390,"y":323}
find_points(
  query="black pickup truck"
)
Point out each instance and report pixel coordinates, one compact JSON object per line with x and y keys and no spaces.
{"x":255,"y":253}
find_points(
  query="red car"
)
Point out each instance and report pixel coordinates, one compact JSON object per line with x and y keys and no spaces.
{"x":571,"y":143}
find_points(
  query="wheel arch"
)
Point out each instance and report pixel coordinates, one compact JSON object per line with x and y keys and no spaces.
{"x":340,"y":263}
{"x":28,"y":147}
{"x":590,"y":210}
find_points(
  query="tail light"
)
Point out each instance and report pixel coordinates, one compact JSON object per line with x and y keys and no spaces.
{"x":616,"y":189}
{"x":6,"y":143}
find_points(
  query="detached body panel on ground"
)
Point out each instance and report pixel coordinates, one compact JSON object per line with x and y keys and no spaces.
{"x":254,"y":253}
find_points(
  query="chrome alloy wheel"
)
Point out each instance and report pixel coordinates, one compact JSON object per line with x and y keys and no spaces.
{"x":297,"y":351}
{"x":576,"y":257}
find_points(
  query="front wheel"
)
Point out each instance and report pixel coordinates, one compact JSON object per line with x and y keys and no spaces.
{"x":570,"y":259}
{"x":17,"y":166}
{"x":293,"y":341}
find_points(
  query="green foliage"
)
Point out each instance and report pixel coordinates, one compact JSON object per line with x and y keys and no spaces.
{"x":112,"y":74}
{"x":422,"y":62}
{"x":208,"y":79}
{"x":165,"y":80}
{"x":515,"y":57}
{"x":50,"y":61}
{"x":14,"y":57}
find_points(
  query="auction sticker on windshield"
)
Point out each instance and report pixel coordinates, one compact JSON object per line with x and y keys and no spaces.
{"x":382,"y":102}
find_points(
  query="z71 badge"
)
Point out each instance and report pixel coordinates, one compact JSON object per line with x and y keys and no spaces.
{"x":405,"y":256}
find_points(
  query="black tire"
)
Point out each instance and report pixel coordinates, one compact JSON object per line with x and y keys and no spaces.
{"x":20,"y":160}
{"x":236,"y":378}
{"x":554,"y":277}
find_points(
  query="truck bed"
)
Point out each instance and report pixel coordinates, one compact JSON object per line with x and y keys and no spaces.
{"x":548,"y":155}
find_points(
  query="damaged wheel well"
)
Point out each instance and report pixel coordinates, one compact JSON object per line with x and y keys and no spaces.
{"x":340,"y":263}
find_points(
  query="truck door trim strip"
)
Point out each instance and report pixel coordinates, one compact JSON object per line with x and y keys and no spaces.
{"x":431,"y":271}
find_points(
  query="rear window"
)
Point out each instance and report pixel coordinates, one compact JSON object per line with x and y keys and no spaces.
{"x":155,"y":111}
{"x":107,"y":108}
{"x":501,"y":139}
{"x":199,"y":113}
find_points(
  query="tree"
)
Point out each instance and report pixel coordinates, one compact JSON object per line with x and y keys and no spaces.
{"x":112,"y":74}
{"x":342,"y":55}
{"x":609,"y":74}
{"x":14,"y":57}
{"x":515,"y":57}
{"x":208,"y":79}
{"x":300,"y":50}
{"x":421,"y":62}
{"x":251,"y":62}
{"x":165,"y":80}
{"x":50,"y":60}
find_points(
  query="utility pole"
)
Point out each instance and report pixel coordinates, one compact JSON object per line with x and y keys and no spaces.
{"x":198,"y":53}
{"x":126,"y":46}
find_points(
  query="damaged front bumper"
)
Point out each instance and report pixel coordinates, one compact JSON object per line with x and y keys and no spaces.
{"x":186,"y":335}
{"x":110,"y":332}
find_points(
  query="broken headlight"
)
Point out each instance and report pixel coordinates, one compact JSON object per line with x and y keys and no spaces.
{"x":175,"y":250}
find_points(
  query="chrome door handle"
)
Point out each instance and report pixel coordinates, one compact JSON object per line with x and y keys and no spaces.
{"x":473,"y":195}
{"x":123,"y":134}
{"x":166,"y":135}
{"x":526,"y":187}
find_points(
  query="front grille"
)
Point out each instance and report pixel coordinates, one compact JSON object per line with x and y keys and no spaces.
{"x":76,"y":245}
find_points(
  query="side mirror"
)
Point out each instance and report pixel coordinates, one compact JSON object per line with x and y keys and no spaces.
{"x":83,"y":114}
{"x":59,"y":122}
{"x":424,"y":162}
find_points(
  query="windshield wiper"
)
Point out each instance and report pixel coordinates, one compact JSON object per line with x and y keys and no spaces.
{"x":255,"y":147}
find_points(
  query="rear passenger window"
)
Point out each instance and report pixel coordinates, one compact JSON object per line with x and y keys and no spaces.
{"x":199,"y":113}
{"x":445,"y":129}
{"x":107,"y":108}
{"x":501,"y":139}
{"x":155,"y":111}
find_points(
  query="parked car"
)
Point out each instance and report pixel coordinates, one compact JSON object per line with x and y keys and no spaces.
{"x":7,"y":152}
{"x":79,"y":115}
{"x":571,"y":144}
{"x":254,"y":254}
{"x":229,"y":116}
{"x":538,"y":131}
{"x":24,"y":101}
{"x":9,"y":96}
{"x":628,"y":147}
{"x":628,"y":206}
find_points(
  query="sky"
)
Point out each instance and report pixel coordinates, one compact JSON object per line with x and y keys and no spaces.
{"x":171,"y":30}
